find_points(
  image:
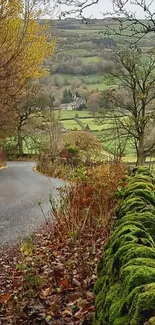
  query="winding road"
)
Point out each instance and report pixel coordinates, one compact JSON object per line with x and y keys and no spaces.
{"x":21,"y":192}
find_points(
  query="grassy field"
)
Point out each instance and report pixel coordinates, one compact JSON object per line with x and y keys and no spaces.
{"x":77,"y":34}
{"x":99,"y":86}
{"x":83,"y":31}
{"x":85,"y":117}
{"x":92,"y":124}
{"x":70,"y":114}
{"x":109,"y":147}
{"x":71,"y":125}
{"x":96,"y":81}
{"x":77,"y":52}
{"x":91,"y":59}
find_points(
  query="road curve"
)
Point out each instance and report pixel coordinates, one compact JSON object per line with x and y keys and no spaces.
{"x":21,"y":189}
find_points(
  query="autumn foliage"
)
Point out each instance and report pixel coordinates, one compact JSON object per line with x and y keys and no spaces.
{"x":23,"y":47}
{"x":90,"y":202}
{"x":87,"y":143}
{"x":54,"y":274}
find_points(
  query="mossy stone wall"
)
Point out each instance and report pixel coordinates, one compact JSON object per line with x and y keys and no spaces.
{"x":125,"y":289}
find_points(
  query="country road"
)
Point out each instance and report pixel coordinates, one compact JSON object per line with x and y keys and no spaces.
{"x":21,"y":189}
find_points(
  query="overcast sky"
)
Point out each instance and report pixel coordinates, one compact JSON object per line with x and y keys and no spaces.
{"x":96,"y":10}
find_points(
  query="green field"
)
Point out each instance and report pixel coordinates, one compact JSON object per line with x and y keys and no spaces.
{"x":100,"y":86}
{"x":109,"y":147}
{"x":70,"y":114}
{"x":90,"y":59}
{"x":82,"y":31}
{"x":71,"y":125}
{"x":77,"y":52}
{"x":92,"y":124}
{"x":96,"y":81}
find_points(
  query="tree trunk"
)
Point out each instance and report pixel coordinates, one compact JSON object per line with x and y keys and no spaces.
{"x":140,"y":160}
{"x":20,"y":143}
{"x":140,"y":152}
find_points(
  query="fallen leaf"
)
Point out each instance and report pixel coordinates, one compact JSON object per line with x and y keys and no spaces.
{"x":67,"y":312}
{"x":81,"y":302}
{"x":64,"y":283}
{"x":74,"y":296}
{"x":58,"y":273}
{"x":86,"y":309}
{"x":5,"y":297}
{"x":46,"y":292}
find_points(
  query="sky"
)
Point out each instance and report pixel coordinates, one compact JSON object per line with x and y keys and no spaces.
{"x":96,"y":10}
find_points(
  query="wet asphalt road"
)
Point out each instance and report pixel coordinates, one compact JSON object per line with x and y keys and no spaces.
{"x":20,"y":191}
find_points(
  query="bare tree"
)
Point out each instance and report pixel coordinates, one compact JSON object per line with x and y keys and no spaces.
{"x":54,"y":130}
{"x":128,"y":19}
{"x":114,"y":138}
{"x":131,"y":105}
{"x":28,"y":108}
{"x":76,"y":7}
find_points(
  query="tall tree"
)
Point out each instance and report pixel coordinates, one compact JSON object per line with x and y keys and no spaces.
{"x":29,"y":107}
{"x":23,"y":47}
{"x":132,"y":104}
{"x":67,"y":97}
{"x":54,"y":130}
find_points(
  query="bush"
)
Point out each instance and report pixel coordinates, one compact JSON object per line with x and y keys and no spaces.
{"x":89,"y":203}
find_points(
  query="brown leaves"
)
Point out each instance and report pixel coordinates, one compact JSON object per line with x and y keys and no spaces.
{"x":53,"y":284}
{"x":46,"y":292}
{"x":5,"y":298}
{"x":64,"y":283}
{"x":65,"y":296}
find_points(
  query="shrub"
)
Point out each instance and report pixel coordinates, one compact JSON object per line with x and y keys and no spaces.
{"x":89,"y":203}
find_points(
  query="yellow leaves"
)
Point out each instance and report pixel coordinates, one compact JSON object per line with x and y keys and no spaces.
{"x":26,"y":247}
{"x":142,"y":96}
{"x":23,"y":42}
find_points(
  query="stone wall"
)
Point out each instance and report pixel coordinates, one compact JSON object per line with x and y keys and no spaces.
{"x":125,"y":289}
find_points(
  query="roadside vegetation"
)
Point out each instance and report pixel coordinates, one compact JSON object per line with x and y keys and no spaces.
{"x":81,"y":107}
{"x":50,"y":278}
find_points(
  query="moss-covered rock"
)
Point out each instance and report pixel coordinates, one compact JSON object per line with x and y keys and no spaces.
{"x":125,"y":289}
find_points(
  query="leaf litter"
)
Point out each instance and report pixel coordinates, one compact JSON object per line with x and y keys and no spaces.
{"x":49,"y":279}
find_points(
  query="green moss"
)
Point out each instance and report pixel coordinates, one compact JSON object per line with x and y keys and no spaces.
{"x":135,"y":275}
{"x":141,"y":178}
{"x":99,"y":284}
{"x":126,"y":286}
{"x":142,"y":261}
{"x":142,"y":193}
{"x":127,"y":233}
{"x":134,"y":204}
{"x":145,"y":306}
{"x":130,"y":251}
{"x":146,"y":219}
{"x":141,"y":171}
{"x":138,"y":185}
